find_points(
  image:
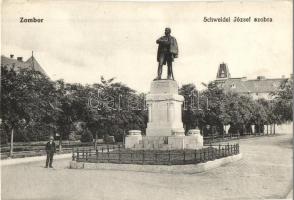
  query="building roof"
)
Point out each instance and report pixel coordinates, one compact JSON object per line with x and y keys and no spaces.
{"x":31,"y":63}
{"x":259,"y":85}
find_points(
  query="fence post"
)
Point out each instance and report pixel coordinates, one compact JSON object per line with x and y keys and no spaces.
{"x":119,"y":156}
{"x":228,"y":149}
{"x":108,"y":148}
{"x":102,"y":149}
{"x":83,"y":152}
{"x":131,"y":157}
{"x":204,"y":155}
{"x":195,"y":156}
{"x":169,"y":162}
{"x":211,"y":152}
{"x":73,"y":154}
{"x":86,"y":155}
{"x":78,"y":154}
{"x":155,"y":157}
{"x":143,"y":157}
{"x":184,"y":156}
{"x":108,"y":156}
{"x":97,"y":154}
{"x":219,"y":151}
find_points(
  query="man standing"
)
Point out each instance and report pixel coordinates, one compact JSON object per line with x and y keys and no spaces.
{"x":167,"y":51}
{"x":50,"y":150}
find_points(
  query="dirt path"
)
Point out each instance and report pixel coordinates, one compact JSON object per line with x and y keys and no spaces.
{"x":264,"y":172}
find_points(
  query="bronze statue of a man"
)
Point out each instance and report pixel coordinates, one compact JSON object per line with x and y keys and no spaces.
{"x":167,"y":51}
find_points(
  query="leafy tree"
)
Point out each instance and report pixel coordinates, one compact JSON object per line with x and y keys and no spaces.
{"x":215,"y":114}
{"x":24,"y":101}
{"x":193,"y":109}
{"x":283,"y":102}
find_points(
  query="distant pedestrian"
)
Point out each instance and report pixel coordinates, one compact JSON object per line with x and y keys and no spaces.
{"x":50,"y":150}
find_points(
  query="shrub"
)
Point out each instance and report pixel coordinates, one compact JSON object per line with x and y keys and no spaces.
{"x":87,"y":136}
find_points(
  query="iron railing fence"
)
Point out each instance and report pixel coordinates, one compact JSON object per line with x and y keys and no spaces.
{"x":118,"y":154}
{"x":28,"y":151}
{"x":220,"y":138}
{"x":231,"y":137}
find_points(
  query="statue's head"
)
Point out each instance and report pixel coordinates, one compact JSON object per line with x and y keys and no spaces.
{"x":167,"y":31}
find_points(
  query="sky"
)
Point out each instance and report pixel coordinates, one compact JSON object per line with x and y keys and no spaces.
{"x":79,"y":41}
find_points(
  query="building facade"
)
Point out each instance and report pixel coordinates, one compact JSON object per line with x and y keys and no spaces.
{"x":258,"y":88}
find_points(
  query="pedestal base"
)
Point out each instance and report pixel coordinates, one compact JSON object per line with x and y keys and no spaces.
{"x":134,"y":138}
{"x":165,"y":142}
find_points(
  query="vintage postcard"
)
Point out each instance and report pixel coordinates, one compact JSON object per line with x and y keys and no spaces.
{"x":128,"y":100}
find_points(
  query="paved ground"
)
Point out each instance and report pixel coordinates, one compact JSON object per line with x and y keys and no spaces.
{"x":265,"y":172}
{"x":32,"y":159}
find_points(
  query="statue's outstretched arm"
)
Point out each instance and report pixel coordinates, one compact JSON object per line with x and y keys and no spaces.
{"x":162,"y":40}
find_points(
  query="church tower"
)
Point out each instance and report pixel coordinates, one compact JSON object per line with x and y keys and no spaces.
{"x":223,"y":72}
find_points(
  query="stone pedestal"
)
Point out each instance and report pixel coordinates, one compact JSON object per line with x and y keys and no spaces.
{"x":133,"y":139}
{"x":253,"y":128}
{"x":176,"y":142}
{"x":164,"y":109}
{"x":165,"y":128}
{"x":194,"y":139}
{"x":226,"y":128}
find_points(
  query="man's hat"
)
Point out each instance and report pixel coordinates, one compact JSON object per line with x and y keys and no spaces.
{"x":51,"y":137}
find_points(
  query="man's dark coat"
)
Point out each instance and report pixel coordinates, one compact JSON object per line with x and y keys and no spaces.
{"x":50,"y":148}
{"x":173,"y":48}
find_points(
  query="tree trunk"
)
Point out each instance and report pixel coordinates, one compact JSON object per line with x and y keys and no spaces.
{"x":244,"y":129}
{"x":11,"y":143}
{"x":274,"y":128}
{"x":124,"y":135}
{"x":95,"y":141}
{"x":60,"y":143}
